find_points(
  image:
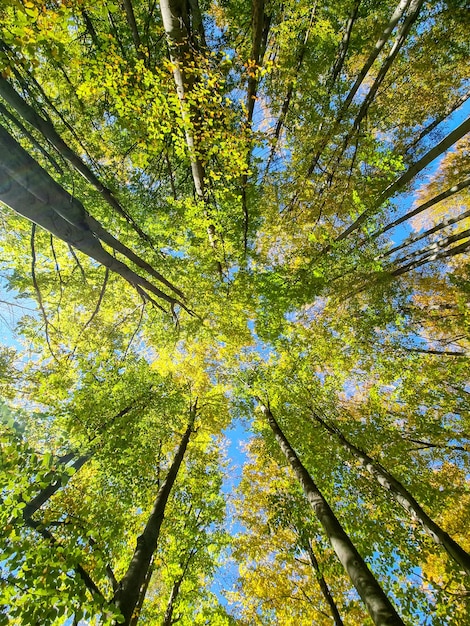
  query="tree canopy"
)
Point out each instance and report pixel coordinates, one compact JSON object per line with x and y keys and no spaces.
{"x":235,"y":214}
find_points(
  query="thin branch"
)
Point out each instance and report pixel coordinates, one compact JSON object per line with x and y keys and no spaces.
{"x":290,"y":92}
{"x":139,"y":324}
{"x":133,"y":27}
{"x":422,"y":207}
{"x":428,"y":444}
{"x":100,"y":299}
{"x":77,"y":261}
{"x":38,"y":291}
{"x":410,"y":240}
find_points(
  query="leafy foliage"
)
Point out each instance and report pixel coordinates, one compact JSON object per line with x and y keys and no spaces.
{"x":234,"y":205}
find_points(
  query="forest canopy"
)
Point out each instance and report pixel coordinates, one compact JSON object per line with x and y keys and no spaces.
{"x":247,"y":221}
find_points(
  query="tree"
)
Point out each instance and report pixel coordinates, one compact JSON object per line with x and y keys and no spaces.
{"x":208,"y":203}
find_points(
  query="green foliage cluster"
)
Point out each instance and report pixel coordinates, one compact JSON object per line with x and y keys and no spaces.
{"x":238,"y":178}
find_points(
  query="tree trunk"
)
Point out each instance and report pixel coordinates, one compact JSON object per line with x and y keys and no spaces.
{"x":434,"y":247}
{"x":413,"y":239}
{"x":343,"y":49}
{"x":181,"y":42}
{"x":29,"y":190}
{"x":422,"y":207}
{"x":380,"y":43}
{"x":168,"y":619}
{"x":143,"y":592}
{"x":410,"y":173}
{"x":377,"y":603}
{"x":431,"y":257}
{"x":127,"y":596}
{"x":176,"y":24}
{"x":403,"y":496}
{"x":323,"y":585}
{"x":46,"y":128}
{"x":402,"y":34}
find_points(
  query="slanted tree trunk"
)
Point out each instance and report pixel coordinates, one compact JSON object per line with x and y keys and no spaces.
{"x":31,"y":192}
{"x":422,"y":207}
{"x":434,"y":247}
{"x":378,"y":605}
{"x":402,"y":34}
{"x":413,"y":239}
{"x":432,"y":256}
{"x":323,"y":584}
{"x":143,"y":592}
{"x":343,"y":48}
{"x":43,"y":496}
{"x":175,"y":589}
{"x":46,"y":128}
{"x":403,"y":496}
{"x":182,"y":42}
{"x":168,"y":618}
{"x":380,"y":43}
{"x":411,"y":172}
{"x":128,"y":594}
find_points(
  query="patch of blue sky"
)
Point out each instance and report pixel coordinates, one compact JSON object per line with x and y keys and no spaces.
{"x":13,"y":307}
{"x":237,"y":437}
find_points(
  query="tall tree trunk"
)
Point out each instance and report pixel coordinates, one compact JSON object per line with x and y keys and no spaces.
{"x":260,"y":23}
{"x":368,"y":588}
{"x":408,"y":176}
{"x":128,"y":593}
{"x":434,"y":247}
{"x":402,"y":34}
{"x":432,"y":257}
{"x":323,"y":584}
{"x":143,"y":592}
{"x":46,"y":128}
{"x":403,"y":496}
{"x":44,"y":494}
{"x":413,"y":239}
{"x":29,"y":190}
{"x":168,"y":618}
{"x":170,"y":608}
{"x":380,"y":43}
{"x":176,"y":17}
{"x":422,"y":207}
{"x":260,"y":27}
{"x":343,"y":48}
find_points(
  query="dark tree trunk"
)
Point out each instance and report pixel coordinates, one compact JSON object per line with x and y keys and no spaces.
{"x":403,"y":496}
{"x":29,"y":190}
{"x":411,"y":172}
{"x":323,"y":585}
{"x":368,"y":588}
{"x":43,"y":496}
{"x":422,"y":207}
{"x":128,"y":593}
{"x":46,"y":128}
